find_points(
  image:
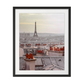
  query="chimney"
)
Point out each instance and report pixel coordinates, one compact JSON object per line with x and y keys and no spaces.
{"x":30,"y":63}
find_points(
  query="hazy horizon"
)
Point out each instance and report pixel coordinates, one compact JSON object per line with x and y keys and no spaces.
{"x":43,"y":33}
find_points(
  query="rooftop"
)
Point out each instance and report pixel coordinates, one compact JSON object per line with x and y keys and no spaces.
{"x":45,"y":63}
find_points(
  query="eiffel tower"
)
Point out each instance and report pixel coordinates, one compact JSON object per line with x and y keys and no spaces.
{"x":35,"y":33}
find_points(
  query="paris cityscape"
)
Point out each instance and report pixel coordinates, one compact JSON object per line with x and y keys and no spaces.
{"x":41,"y":51}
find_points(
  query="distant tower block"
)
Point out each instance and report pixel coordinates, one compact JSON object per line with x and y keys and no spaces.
{"x":35,"y":33}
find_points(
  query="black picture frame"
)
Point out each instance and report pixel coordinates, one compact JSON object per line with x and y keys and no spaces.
{"x":69,"y":40}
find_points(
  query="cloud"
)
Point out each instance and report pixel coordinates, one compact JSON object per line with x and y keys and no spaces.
{"x":26,"y":23}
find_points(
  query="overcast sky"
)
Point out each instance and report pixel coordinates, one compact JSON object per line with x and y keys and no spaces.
{"x":45,"y":23}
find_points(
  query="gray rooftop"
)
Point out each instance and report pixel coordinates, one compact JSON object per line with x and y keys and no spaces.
{"x":45,"y":63}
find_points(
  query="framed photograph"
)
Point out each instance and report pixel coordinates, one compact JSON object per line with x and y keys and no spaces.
{"x":41,"y":41}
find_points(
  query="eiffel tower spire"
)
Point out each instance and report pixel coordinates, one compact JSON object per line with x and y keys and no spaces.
{"x":35,"y":32}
